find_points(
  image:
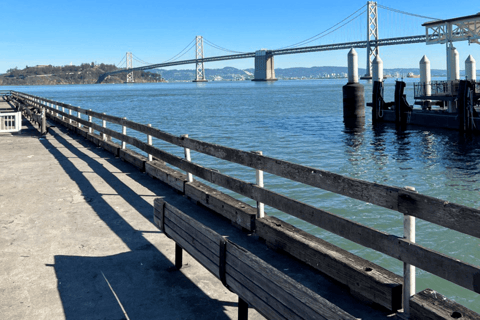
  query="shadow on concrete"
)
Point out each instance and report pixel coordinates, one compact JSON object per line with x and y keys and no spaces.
{"x":142,"y":278}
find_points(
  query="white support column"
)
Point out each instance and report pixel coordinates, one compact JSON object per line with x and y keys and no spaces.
{"x":377,"y":69}
{"x":124,"y":132}
{"x":90,"y":130}
{"x":425,"y":75}
{"x":352,"y":66}
{"x":104,"y":124}
{"x":409,"y":280}
{"x":259,"y":181}
{"x":189,"y":159}
{"x":471,"y":69}
{"x":149,"y":142}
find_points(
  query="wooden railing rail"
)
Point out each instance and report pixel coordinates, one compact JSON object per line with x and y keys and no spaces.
{"x":453,"y":216}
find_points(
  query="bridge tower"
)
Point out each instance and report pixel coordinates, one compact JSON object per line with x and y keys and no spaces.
{"x":200,"y":77}
{"x":129,"y":59}
{"x":372,"y":34}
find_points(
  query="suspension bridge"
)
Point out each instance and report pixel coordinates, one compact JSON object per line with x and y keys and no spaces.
{"x":264,"y":59}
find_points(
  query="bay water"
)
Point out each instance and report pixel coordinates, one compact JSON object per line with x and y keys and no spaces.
{"x":302,"y":122}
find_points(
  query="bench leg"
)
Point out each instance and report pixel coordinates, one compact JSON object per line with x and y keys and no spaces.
{"x":178,"y":256}
{"x":242,"y":309}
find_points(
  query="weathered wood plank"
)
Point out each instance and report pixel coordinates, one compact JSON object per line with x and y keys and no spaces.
{"x":197,"y":255}
{"x":194,"y":236}
{"x":133,"y":158}
{"x":95,"y":138}
{"x":431,"y":305}
{"x":450,"y":215}
{"x":234,"y":210}
{"x":111,"y":147}
{"x":206,"y":248}
{"x":267,"y":296}
{"x":263,"y":308}
{"x":160,"y":171}
{"x":293,"y":295}
{"x":361,"y":276}
{"x":207,"y":232}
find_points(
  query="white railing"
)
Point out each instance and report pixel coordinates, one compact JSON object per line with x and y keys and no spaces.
{"x":10,"y":122}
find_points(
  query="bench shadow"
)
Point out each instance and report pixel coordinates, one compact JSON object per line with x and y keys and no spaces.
{"x":138,"y":284}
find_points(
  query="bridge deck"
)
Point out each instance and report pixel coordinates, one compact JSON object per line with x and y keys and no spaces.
{"x":75,"y":220}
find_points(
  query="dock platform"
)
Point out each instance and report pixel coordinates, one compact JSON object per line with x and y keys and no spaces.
{"x":78,"y":241}
{"x":94,"y":230}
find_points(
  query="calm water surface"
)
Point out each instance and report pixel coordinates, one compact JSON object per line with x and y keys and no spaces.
{"x":301,"y":122}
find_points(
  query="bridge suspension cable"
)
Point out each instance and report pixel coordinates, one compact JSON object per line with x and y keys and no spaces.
{"x":183,"y":52}
{"x":407,"y":13}
{"x":140,"y":60}
{"x":219,"y":47}
{"x":326,"y":32}
{"x":121,"y":61}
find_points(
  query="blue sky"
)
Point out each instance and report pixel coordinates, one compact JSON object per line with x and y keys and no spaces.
{"x":61,"y":32}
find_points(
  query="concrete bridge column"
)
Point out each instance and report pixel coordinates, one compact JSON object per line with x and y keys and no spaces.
{"x":264,"y":66}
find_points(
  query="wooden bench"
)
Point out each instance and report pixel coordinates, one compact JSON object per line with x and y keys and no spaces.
{"x":258,"y":284}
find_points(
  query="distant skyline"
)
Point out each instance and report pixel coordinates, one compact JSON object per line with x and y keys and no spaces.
{"x":60,"y":33}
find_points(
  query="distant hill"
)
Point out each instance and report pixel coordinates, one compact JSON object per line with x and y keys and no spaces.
{"x":86,"y":73}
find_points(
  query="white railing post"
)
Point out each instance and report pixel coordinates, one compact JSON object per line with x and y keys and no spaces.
{"x":149,"y":142}
{"x":44,"y":121}
{"x":188,"y":158}
{"x":90,"y":120}
{"x":18,"y":121}
{"x":104,"y":124}
{"x":63,"y":110}
{"x":259,"y":181}
{"x":408,"y":270}
{"x":56,"y":107}
{"x":79,"y":116}
{"x":70,"y":113}
{"x":124,"y":131}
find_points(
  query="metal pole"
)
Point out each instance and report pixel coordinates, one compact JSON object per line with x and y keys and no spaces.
{"x":44,"y":121}
{"x":90,"y":120}
{"x":408,"y":270}
{"x":124,"y":131}
{"x":149,"y":142}
{"x":189,"y":159}
{"x":259,"y":178}
{"x":178,"y":256}
{"x":104,"y":124}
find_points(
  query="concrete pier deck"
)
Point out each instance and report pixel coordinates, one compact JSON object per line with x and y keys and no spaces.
{"x":77,"y":241}
{"x":74,"y":221}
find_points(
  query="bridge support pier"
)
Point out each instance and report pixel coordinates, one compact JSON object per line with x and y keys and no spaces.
{"x":264,"y":66}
